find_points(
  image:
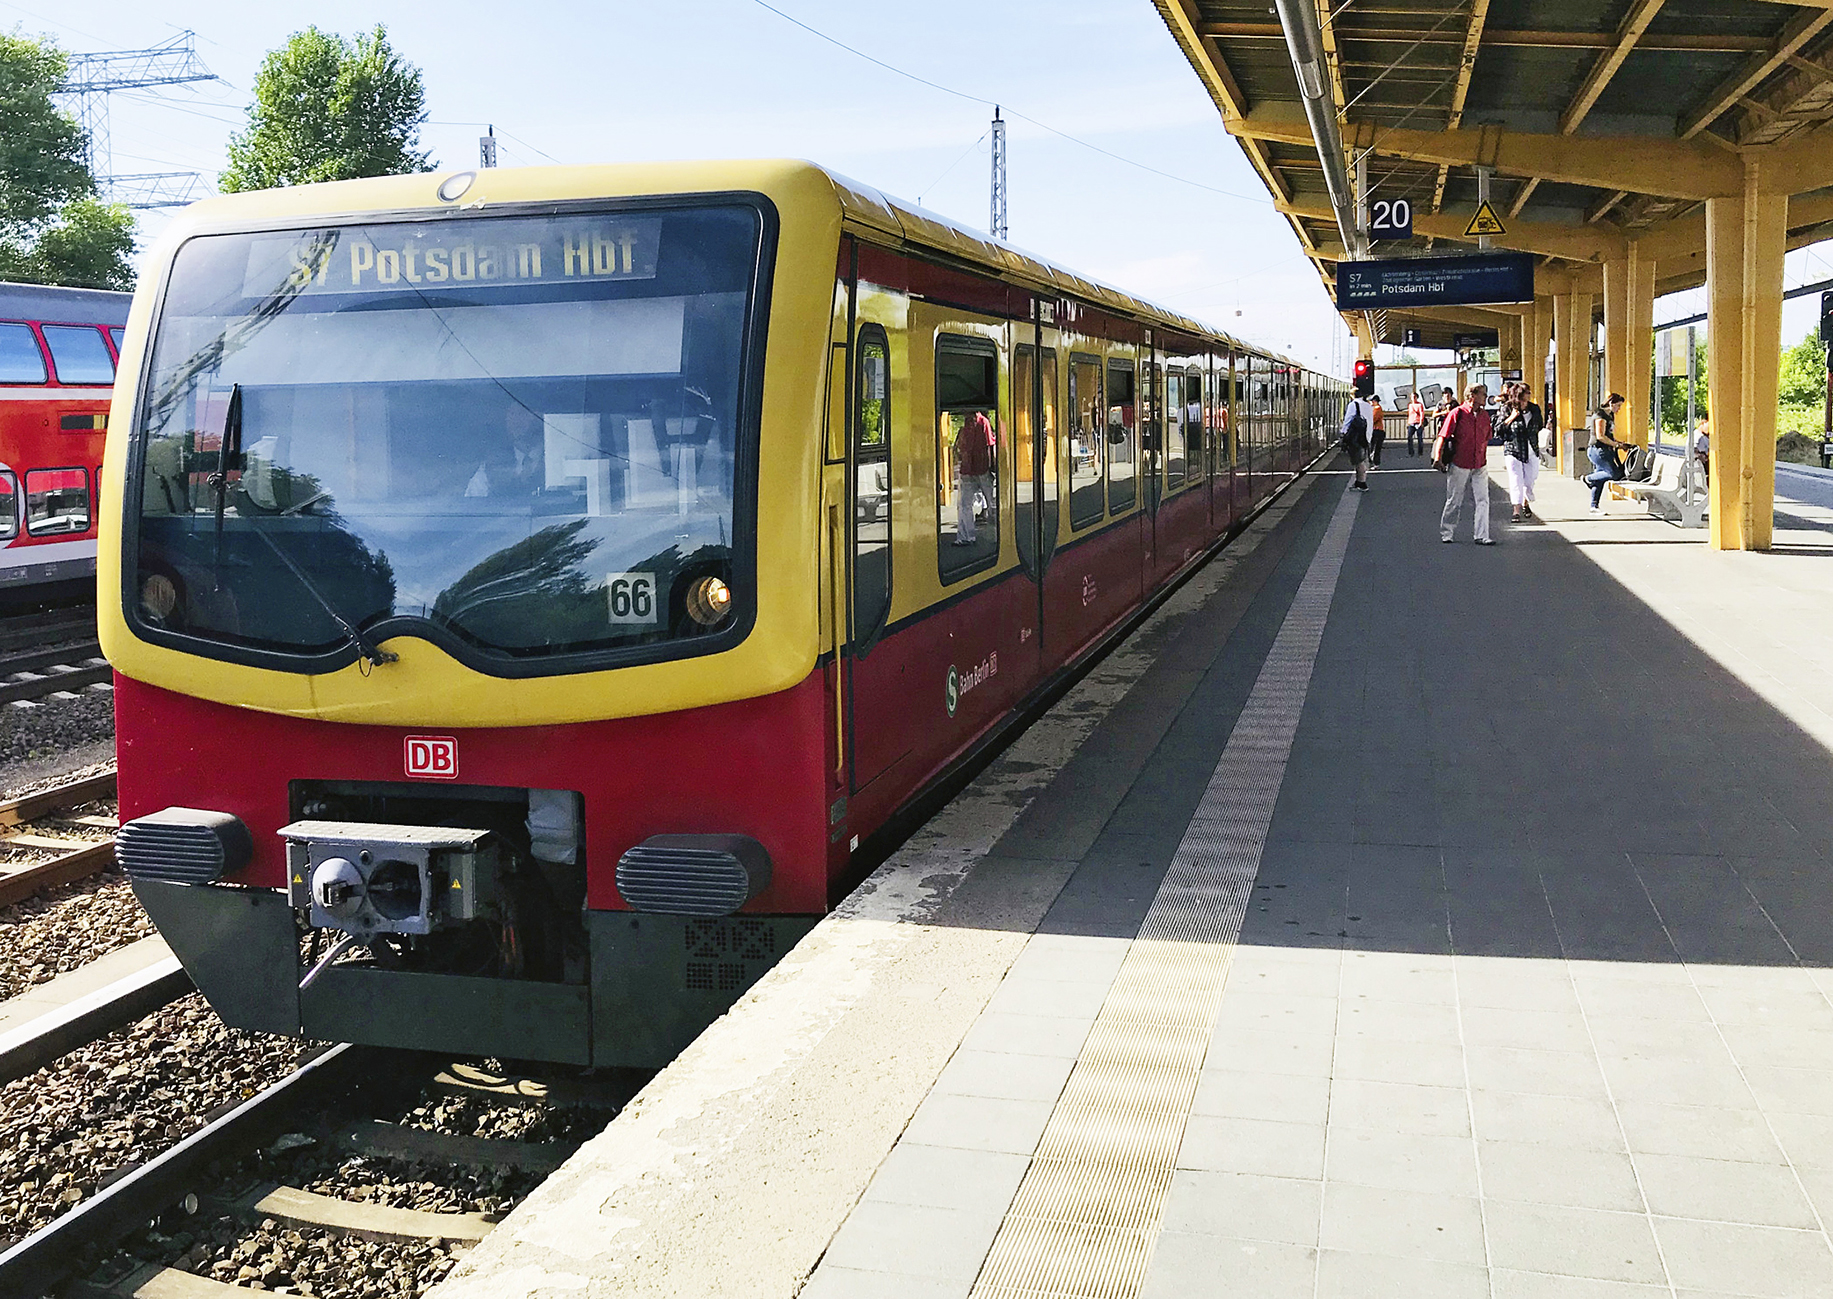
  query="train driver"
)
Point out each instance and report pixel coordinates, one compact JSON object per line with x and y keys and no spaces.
{"x":518,"y":468}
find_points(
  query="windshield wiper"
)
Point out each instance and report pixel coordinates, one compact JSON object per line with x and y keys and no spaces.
{"x":368,"y":651}
{"x":219,"y":481}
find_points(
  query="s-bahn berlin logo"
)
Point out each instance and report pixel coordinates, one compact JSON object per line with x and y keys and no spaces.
{"x":959,"y":683}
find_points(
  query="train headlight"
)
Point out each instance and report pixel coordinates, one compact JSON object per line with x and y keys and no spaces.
{"x":158,"y":596}
{"x":709,"y":600}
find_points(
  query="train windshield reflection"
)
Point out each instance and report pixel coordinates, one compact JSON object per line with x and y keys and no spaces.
{"x":519,"y":434}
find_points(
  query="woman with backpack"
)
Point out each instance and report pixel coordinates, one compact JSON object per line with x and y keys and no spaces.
{"x":1358,"y":421}
{"x":1520,"y":429}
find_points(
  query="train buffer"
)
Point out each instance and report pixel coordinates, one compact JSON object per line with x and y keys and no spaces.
{"x":1362,"y":926}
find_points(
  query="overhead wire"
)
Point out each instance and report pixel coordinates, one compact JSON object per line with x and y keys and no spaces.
{"x":1004,"y":105}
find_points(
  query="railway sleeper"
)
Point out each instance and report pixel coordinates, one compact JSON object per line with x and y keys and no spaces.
{"x":417,"y":1145}
{"x":610,"y":1091}
{"x":293,"y":1207}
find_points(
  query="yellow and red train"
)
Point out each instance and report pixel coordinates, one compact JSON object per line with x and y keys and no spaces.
{"x":527,"y":589}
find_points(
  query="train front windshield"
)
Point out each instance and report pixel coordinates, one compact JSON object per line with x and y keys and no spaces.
{"x":524,"y":438}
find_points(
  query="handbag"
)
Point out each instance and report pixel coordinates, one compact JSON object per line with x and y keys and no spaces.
{"x":1444,"y":451}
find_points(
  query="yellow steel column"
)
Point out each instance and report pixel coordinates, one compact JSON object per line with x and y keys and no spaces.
{"x":1616,"y":330}
{"x":1745,"y":240}
{"x":1365,"y":337}
{"x":1639,"y":363}
{"x":1572,"y":375}
{"x":1539,"y":343}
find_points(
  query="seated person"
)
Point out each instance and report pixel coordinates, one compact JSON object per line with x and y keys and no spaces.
{"x":517,"y":467}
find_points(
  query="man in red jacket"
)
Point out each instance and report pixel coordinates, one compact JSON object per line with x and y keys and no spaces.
{"x":1469,"y":424}
{"x":975,"y":460}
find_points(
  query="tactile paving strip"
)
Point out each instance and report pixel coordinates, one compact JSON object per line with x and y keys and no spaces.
{"x":1086,"y":1215}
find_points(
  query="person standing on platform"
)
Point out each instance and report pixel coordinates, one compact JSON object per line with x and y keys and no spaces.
{"x":1468,"y":425}
{"x":974,"y":447}
{"x":1604,"y":451}
{"x":1702,"y":446}
{"x":1416,"y":425}
{"x":1358,"y":426}
{"x":1521,"y":449}
{"x":1377,"y":431}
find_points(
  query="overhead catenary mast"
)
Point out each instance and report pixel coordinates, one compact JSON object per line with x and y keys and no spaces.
{"x":91,"y":78}
{"x":998,"y":222}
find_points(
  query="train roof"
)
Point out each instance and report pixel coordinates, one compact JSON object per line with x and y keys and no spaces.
{"x":892,"y":215}
{"x":55,"y":303}
{"x":861,"y":206}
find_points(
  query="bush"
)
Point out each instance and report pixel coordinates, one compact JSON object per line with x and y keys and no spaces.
{"x":1797,"y":449}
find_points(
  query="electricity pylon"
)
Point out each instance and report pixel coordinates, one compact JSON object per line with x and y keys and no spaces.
{"x":93,"y":77}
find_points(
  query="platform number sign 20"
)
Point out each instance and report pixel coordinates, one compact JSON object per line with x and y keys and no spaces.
{"x":1390,"y":218}
{"x":631,"y":598}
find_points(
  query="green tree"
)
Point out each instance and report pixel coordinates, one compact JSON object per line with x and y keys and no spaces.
{"x":53,"y":230}
{"x":330,"y":109}
{"x":1801,"y":387}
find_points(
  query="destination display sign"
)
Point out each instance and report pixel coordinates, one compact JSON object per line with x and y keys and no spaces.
{"x":391,"y":258}
{"x":1435,"y":281}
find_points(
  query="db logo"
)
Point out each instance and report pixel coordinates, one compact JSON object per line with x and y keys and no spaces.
{"x":432,"y":756}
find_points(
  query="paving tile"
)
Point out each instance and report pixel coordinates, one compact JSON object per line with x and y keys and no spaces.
{"x":1808,"y":1138}
{"x":1772,"y":1262}
{"x":1562,"y":1175}
{"x":979,"y":1123}
{"x":1716,"y":1083}
{"x":1377,"y":1059}
{"x":1402,"y":1224}
{"x":1640,"y":998}
{"x":1343,"y":1275}
{"x":1705,"y":1131}
{"x":1399,"y":1021}
{"x":1542,"y":1073}
{"x":1509,"y":1284}
{"x":1052,"y":997}
{"x":1776,"y":1003}
{"x":1184,"y":1265}
{"x":1782,"y":1045}
{"x":1258,"y":1146}
{"x":1285,"y":1098}
{"x":1247,"y":1050}
{"x":947,"y":1177}
{"x":1536,"y":1030}
{"x":830,"y":1282}
{"x":1276,"y":1012}
{"x":1243,"y":1206}
{"x":1664,"y":1039}
{"x":1002,"y":1075}
{"x":1546,"y":1120}
{"x":1400,"y":1107}
{"x":914,"y":1240}
{"x":1051,"y":1035}
{"x":1796,"y":1091}
{"x":1298,"y":972}
{"x":1402,"y":1161}
{"x":1069,"y":958}
{"x":1383,"y":978}
{"x":1685,"y":1186}
{"x":1572,"y":1242}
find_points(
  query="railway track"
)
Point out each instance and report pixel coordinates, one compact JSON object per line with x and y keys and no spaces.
{"x":76,"y":856}
{"x":45,"y":652}
{"x":281,"y":1188}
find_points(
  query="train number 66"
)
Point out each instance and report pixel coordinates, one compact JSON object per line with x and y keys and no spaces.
{"x":632,"y":597}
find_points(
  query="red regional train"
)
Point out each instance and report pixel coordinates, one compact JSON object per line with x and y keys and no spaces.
{"x":57,"y":370}
{"x":529,"y":589}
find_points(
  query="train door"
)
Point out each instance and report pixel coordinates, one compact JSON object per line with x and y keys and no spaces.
{"x":877,"y":738}
{"x":1151,"y":438}
{"x":1035,"y":467}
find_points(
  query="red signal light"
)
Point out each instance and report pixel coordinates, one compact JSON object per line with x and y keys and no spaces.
{"x":1365,"y":378}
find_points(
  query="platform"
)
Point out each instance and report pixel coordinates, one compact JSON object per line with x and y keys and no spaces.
{"x":1385,"y":918}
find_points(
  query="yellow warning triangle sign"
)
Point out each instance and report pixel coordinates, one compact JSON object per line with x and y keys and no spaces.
{"x":1485,"y":222}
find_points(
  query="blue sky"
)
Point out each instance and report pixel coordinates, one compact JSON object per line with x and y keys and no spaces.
{"x":577,"y":82}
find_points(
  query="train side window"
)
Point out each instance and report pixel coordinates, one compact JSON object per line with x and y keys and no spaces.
{"x":872,"y":485}
{"x":1122,"y":447}
{"x":56,"y":501}
{"x":9,"y":507}
{"x":20,"y":359}
{"x":967,"y":459}
{"x":115,"y":335}
{"x":1177,"y":384}
{"x":79,"y":354}
{"x":1087,"y":441}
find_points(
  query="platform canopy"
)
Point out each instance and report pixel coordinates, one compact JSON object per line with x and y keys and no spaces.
{"x":1604,"y":123}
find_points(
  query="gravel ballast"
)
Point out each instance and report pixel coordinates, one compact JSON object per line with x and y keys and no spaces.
{"x":121,"y":1100}
{"x":39,"y":742}
{"x":59,"y":931}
